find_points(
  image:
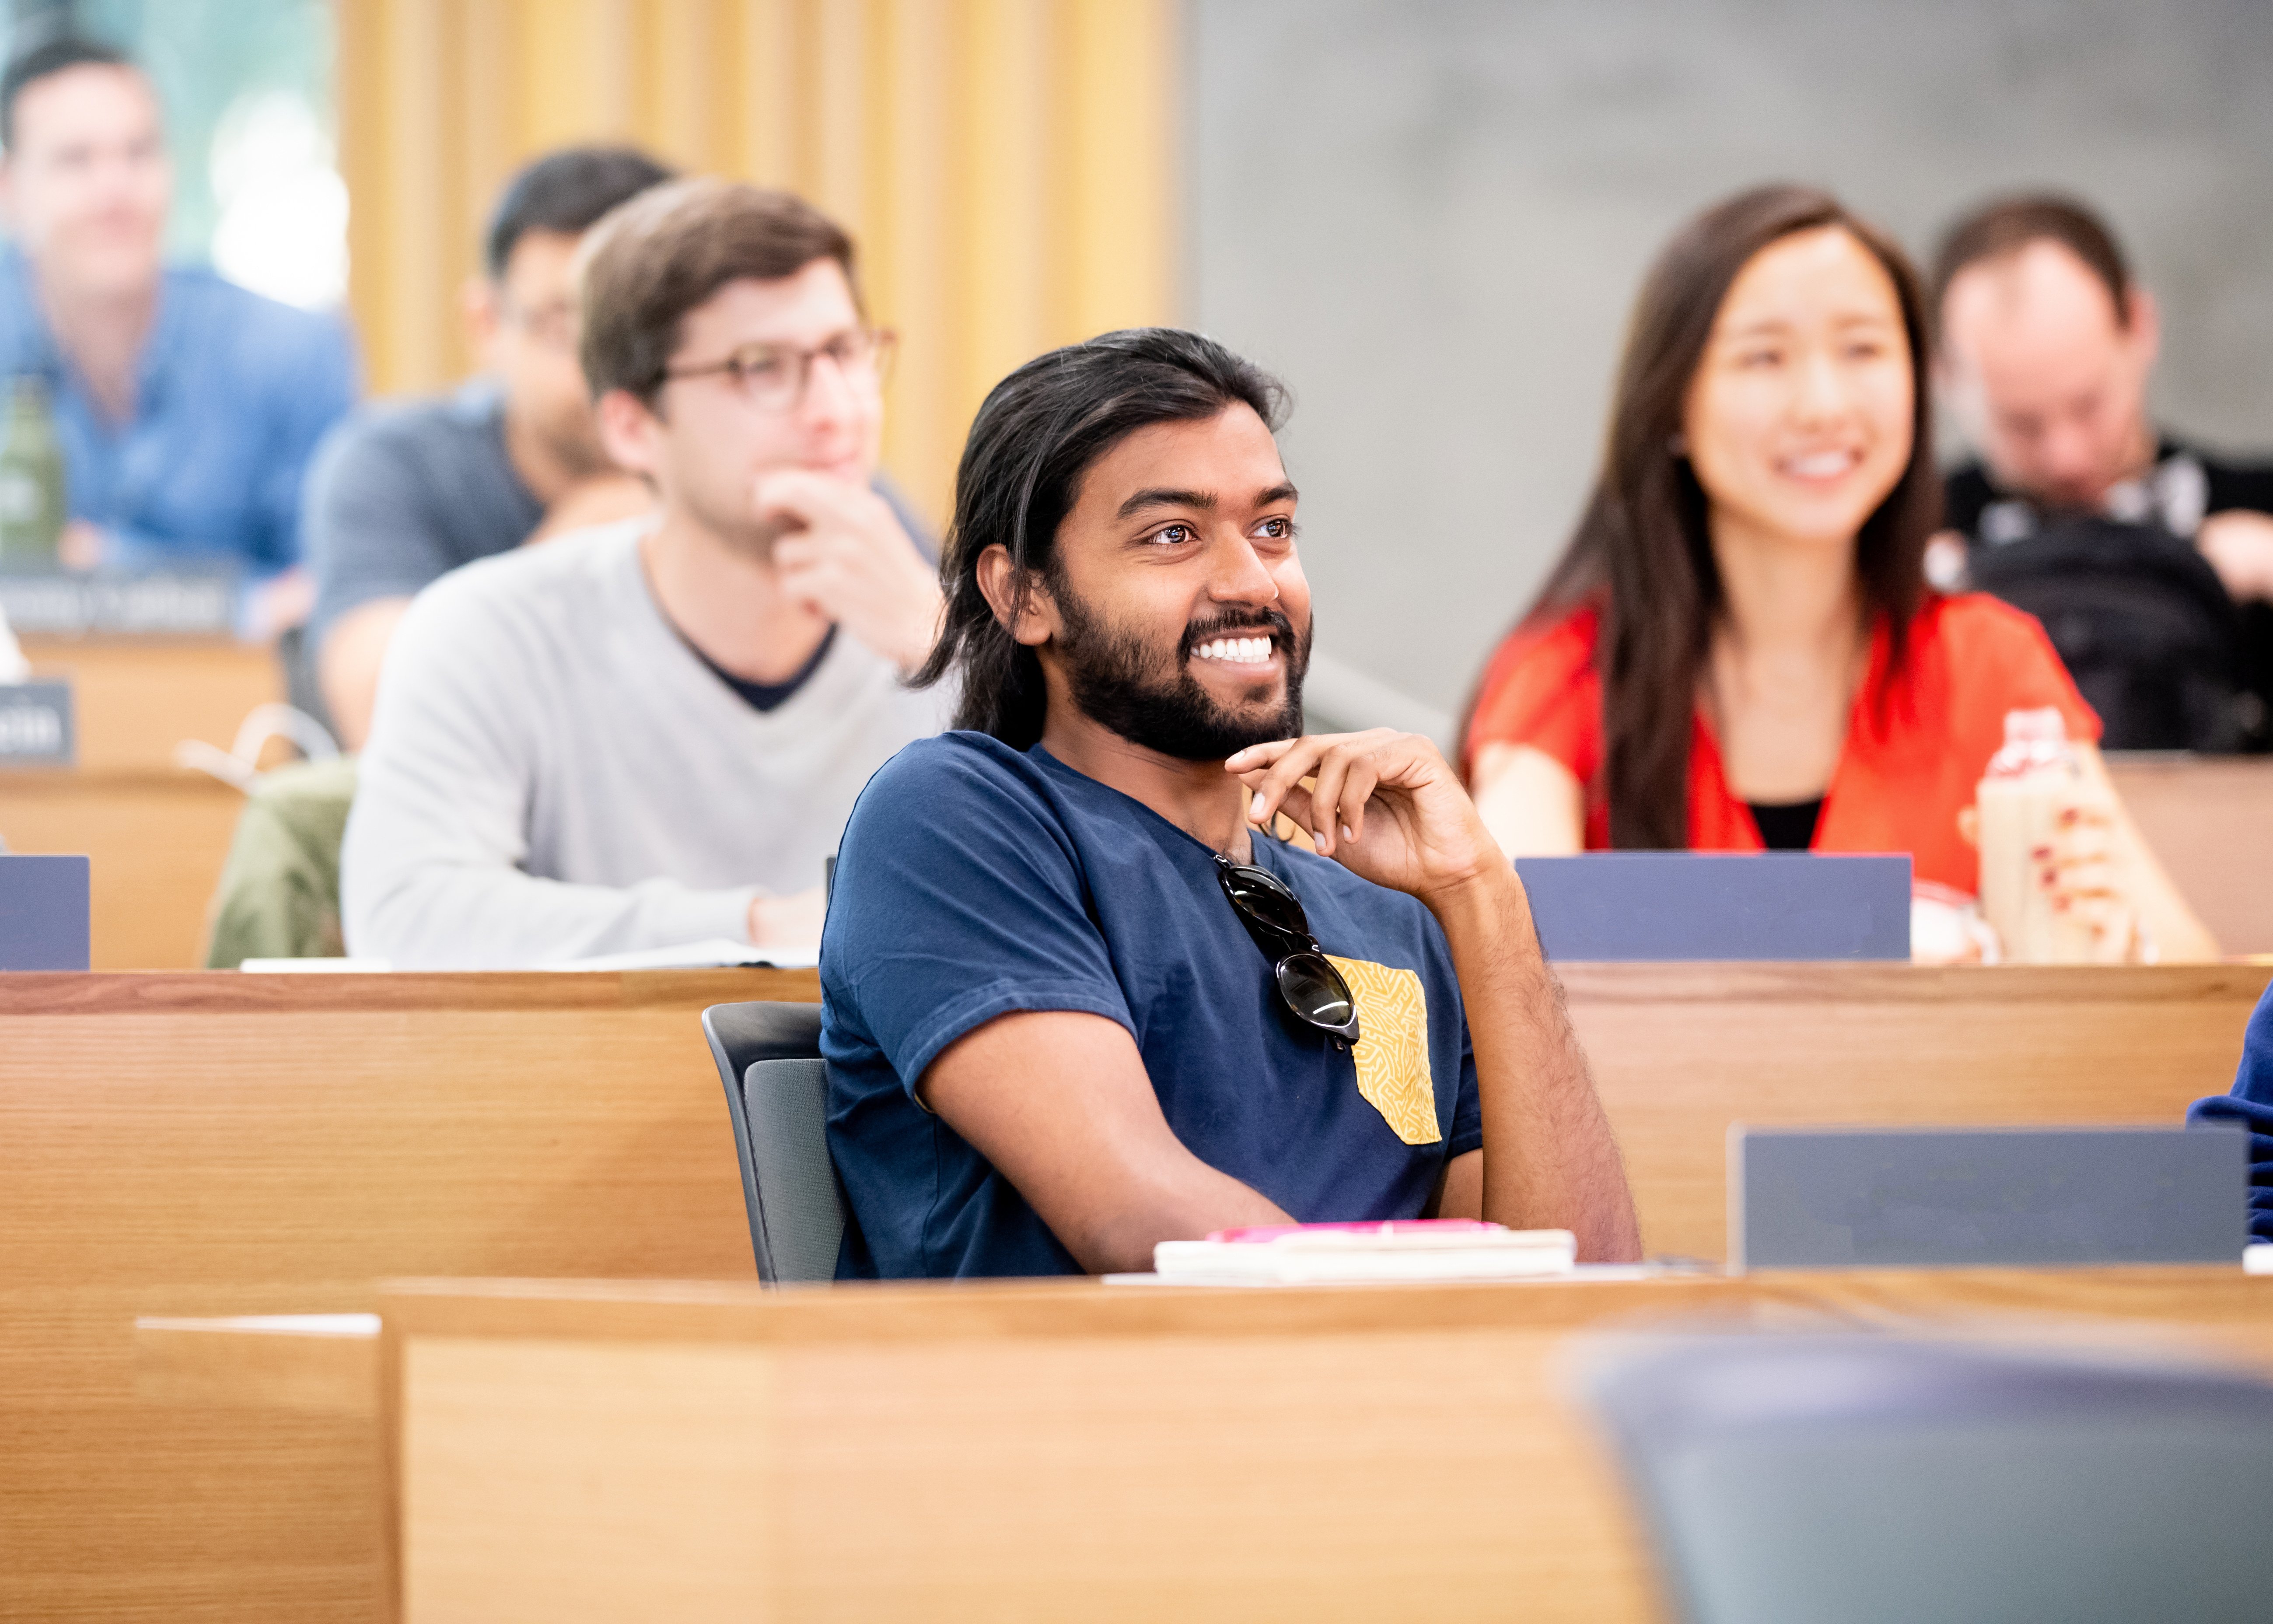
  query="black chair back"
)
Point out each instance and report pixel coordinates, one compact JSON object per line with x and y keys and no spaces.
{"x":769,"y":1058}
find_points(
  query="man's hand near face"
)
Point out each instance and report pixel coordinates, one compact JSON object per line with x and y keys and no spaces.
{"x":843,"y":553}
{"x":1388,"y":808}
{"x":1423,"y":837}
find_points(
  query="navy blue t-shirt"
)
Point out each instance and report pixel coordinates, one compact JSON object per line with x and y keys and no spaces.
{"x":974,"y":881}
{"x":2250,"y":1106}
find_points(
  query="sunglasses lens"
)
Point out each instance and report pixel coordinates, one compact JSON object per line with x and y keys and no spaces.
{"x":1256,"y":894}
{"x":1314,"y":990}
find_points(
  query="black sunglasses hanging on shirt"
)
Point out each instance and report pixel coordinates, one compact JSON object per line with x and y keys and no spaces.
{"x":1312,"y":989}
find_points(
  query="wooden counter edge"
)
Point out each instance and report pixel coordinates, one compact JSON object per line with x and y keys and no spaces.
{"x":265,"y":1361}
{"x":232,"y":992}
{"x":344,"y":1365}
{"x":693,"y":1311}
{"x":2238,"y":982}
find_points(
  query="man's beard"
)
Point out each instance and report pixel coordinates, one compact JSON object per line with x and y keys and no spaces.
{"x":574,"y":441}
{"x":1117,"y":680}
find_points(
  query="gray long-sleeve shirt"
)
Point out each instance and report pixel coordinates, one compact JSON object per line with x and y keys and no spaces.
{"x":553,"y":773}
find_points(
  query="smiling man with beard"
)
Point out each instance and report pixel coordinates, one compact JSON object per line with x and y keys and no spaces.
{"x":1076,"y":1000}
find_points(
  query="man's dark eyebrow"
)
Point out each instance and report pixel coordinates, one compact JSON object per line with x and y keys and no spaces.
{"x":1159,"y":497}
{"x":1283,"y":492}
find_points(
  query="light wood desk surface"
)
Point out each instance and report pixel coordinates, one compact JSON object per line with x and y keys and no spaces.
{"x":201,"y":1145}
{"x":1680,"y":1052}
{"x":156,"y":835}
{"x":219,"y":1144}
{"x":138,"y":697}
{"x":565,"y":1451}
{"x":155,"y":843}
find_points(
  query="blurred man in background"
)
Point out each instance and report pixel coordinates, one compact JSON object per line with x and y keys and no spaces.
{"x":186,"y":407}
{"x":650,"y":733}
{"x":2080,"y":509}
{"x":407,"y":493}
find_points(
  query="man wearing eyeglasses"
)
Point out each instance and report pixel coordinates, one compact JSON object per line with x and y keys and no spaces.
{"x":648,"y":735}
{"x":1077,"y":998}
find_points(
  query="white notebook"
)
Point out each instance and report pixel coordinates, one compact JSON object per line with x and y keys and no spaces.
{"x":720,"y":953}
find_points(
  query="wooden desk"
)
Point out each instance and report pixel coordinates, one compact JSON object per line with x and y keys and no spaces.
{"x":156,"y":840}
{"x":138,"y":697}
{"x":563,"y":1452}
{"x":1680,"y":1052}
{"x":2209,"y":819}
{"x":209,"y":1145}
{"x":156,"y":834}
{"x":218,"y":1144}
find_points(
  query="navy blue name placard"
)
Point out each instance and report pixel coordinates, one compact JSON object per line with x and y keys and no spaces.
{"x":1719,"y":906}
{"x":36,"y":725}
{"x":43,"y":913}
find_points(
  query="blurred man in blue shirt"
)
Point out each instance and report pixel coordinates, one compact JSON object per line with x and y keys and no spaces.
{"x":185,"y":406}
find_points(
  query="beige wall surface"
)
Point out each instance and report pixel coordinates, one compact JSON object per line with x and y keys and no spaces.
{"x":1006,"y":165}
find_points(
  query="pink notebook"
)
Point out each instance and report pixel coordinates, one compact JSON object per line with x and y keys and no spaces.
{"x":1404,"y":1249}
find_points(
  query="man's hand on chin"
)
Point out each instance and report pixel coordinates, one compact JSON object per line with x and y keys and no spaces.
{"x":843,"y":553}
{"x":1386,"y":805}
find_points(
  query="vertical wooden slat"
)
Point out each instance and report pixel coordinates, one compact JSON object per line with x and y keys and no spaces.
{"x":907,"y":250}
{"x":998,"y":314}
{"x":1007,"y":165}
{"x":679,"y":103}
{"x":416,"y":254}
{"x":491,"y":120}
{"x":838,"y":74}
{"x":1112,"y":192}
{"x":763,"y":106}
{"x":366,"y":113}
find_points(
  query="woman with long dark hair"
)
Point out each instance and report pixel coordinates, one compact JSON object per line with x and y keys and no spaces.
{"x":1738,"y":650}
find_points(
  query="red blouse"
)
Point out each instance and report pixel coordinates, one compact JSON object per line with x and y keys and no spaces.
{"x":1917,"y":744}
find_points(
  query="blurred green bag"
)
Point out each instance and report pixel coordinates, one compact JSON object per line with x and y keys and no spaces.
{"x":279,"y":896}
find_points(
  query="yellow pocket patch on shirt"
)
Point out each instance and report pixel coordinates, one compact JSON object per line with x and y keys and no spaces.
{"x":1393,"y":1048}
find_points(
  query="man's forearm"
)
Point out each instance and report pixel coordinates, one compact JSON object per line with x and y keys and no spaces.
{"x":1099,"y":1163}
{"x":1549,"y":1160}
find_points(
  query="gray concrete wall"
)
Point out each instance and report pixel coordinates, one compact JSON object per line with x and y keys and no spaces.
{"x":1431,"y":216}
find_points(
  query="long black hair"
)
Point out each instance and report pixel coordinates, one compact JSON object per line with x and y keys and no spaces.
{"x":1033,"y":438}
{"x":1642,"y":552}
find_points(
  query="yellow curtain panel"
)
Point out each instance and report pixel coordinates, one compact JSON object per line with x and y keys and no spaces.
{"x":1007,"y":166}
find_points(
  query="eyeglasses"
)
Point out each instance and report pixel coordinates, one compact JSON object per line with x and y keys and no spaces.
{"x":775,"y":377}
{"x":1310,"y":986}
{"x":553,"y":326}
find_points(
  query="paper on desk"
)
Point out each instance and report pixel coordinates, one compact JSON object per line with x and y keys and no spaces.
{"x":316,"y":966}
{"x":720,"y":953}
{"x":1582,"y":1273}
{"x":267,"y":1324}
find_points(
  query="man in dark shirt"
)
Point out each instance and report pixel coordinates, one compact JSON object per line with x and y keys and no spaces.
{"x":404,"y":494}
{"x":2046,"y":345}
{"x":1076,"y":999}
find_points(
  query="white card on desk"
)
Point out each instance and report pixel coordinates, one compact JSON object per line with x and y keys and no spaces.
{"x":720,"y":953}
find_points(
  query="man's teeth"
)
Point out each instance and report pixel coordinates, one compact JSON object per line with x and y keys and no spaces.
{"x":1236,"y":650}
{"x":1821,"y":464}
